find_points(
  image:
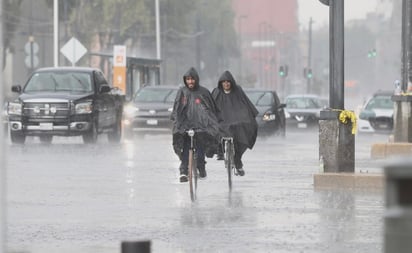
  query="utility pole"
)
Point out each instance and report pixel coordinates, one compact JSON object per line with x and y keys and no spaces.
{"x":157,"y":30}
{"x":308,"y":88}
{"x":406,"y":43}
{"x":56,"y":33}
{"x":241,"y":46}
{"x":3,"y":168}
{"x":336,"y":138}
{"x":403,"y":104}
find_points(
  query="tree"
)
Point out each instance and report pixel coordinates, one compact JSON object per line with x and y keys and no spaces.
{"x":11,"y":14}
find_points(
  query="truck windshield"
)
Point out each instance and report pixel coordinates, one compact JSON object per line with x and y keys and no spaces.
{"x":54,"y":82}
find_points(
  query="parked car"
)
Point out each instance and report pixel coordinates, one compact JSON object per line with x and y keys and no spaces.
{"x":303,"y":110}
{"x":150,"y":108}
{"x":271,"y":117}
{"x":376,"y":114}
{"x":65,"y":101}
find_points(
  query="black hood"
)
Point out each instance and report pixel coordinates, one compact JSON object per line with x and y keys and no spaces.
{"x":193,"y":73}
{"x":227,"y":76}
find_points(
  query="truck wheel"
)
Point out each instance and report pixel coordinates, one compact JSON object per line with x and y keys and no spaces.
{"x":116,"y":135}
{"x":17,"y":137}
{"x":90,"y":137}
{"x":46,"y":139}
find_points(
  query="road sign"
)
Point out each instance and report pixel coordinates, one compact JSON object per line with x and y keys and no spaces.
{"x":73,"y":50}
{"x":31,"y":61}
{"x":119,"y":67}
{"x":31,"y":48}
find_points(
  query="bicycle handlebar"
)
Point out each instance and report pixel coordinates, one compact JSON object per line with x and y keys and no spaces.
{"x":226,"y":139}
{"x":191,"y":132}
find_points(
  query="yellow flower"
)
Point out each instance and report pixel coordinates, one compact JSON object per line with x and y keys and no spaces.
{"x":346,"y":116}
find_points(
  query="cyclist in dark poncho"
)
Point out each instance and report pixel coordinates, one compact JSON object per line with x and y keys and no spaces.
{"x":238,"y":116}
{"x":194,"y":108}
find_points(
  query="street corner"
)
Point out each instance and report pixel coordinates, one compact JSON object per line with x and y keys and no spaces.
{"x":354,"y":181}
{"x":390,"y":149}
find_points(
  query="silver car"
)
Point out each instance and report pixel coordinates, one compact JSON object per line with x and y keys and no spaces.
{"x":150,"y":108}
{"x":303,"y":110}
{"x":376,"y":115}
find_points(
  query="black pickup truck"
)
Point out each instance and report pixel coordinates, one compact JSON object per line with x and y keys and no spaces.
{"x":66,"y":101}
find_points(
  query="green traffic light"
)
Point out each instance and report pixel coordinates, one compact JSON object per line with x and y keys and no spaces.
{"x":309,"y":73}
{"x":372,"y":53}
{"x":281,"y":71}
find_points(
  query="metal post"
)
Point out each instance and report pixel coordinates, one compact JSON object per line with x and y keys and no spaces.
{"x":241,"y":46}
{"x":406,"y":23}
{"x":336,"y":17}
{"x":157,"y":30}
{"x":3,"y":167}
{"x":336,"y":141}
{"x":56,"y":32}
{"x":308,"y":88}
{"x":403,"y":104}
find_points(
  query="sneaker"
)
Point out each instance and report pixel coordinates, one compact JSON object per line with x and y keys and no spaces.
{"x":183,"y":178}
{"x":202,"y":173}
{"x":240,"y":172}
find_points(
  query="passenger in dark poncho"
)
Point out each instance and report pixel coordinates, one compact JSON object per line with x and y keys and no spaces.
{"x":238,"y":116}
{"x":194,"y":108}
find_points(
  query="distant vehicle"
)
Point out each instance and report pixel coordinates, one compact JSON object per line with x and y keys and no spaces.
{"x":271,"y":117}
{"x":5,"y":120}
{"x":376,"y":114}
{"x":150,"y":108}
{"x":65,"y":101}
{"x":303,"y":111}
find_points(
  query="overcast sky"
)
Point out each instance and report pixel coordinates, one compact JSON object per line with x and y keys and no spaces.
{"x":354,"y":9}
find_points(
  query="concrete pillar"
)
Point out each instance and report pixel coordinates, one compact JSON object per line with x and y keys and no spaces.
{"x":398,"y":213}
{"x":336,"y":143}
{"x":402,"y":116}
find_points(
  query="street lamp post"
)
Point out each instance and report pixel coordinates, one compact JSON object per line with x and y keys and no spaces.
{"x":336,"y":138}
{"x":241,"y":44}
{"x":56,"y":32}
{"x":3,"y":167}
{"x":157,"y":30}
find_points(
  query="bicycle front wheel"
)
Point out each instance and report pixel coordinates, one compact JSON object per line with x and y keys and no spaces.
{"x":229,"y":162}
{"x":192,"y":175}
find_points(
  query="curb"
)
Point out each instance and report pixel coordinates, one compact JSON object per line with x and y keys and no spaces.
{"x":384,"y":150}
{"x":356,"y":181}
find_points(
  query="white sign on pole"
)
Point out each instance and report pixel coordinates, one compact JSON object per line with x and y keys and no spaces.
{"x":73,"y":50}
{"x":119,"y":55}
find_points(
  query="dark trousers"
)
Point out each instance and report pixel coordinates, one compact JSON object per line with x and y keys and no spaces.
{"x":240,"y":148}
{"x":200,"y":154}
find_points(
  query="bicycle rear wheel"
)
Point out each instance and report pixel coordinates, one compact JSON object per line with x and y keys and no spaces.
{"x":229,"y":162}
{"x":192,"y":175}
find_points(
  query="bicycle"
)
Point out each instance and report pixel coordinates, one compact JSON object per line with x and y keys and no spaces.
{"x":192,"y":165}
{"x":229,"y":156}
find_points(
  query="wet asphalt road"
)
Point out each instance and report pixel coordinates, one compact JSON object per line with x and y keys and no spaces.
{"x":70,"y":197}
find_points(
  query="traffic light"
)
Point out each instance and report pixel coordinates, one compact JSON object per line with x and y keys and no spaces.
{"x":307,"y":73}
{"x":281,"y":71}
{"x":372,"y":53}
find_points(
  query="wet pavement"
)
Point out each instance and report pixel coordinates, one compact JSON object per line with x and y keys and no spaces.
{"x":70,"y":197}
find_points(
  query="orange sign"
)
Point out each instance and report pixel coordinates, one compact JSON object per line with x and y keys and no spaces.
{"x":119,"y":67}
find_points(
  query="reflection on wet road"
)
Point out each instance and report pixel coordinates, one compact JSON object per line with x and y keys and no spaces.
{"x":70,"y":197}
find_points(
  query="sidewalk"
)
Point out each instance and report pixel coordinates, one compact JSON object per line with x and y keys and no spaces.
{"x":368,"y":171}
